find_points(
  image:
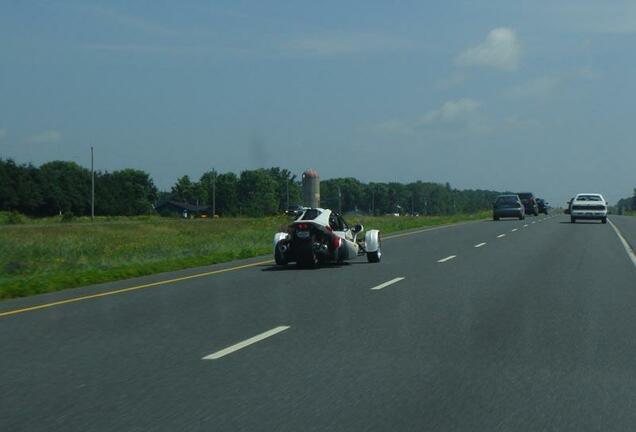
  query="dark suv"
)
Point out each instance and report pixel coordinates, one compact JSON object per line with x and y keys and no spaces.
{"x":529,"y":202}
{"x":543,"y":206}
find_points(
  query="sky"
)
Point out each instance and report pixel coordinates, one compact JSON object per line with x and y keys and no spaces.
{"x":504,"y":95}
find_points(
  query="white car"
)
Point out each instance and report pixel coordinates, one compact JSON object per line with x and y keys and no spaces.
{"x":320,"y":235}
{"x":588,"y":206}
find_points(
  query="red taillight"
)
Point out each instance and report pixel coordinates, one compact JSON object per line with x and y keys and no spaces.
{"x":302,"y":226}
{"x":335,"y":242}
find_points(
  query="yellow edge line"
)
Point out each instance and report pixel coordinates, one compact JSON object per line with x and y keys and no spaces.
{"x":134,"y":288}
{"x":194,"y":276}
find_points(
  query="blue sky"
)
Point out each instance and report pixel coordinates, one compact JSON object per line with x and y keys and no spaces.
{"x":528,"y":95}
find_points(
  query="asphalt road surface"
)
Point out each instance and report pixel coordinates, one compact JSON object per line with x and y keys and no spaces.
{"x":485,"y":326}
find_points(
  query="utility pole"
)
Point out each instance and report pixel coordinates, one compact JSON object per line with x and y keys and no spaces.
{"x":339,"y":201}
{"x":287,"y":191}
{"x":92,"y":186}
{"x":214,"y":195}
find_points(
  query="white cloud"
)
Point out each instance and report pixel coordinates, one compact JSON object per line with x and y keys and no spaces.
{"x":500,"y":50}
{"x":45,"y":137}
{"x":454,"y":80}
{"x":450,"y":111}
{"x":460,"y":114}
{"x":537,"y":88}
{"x":331,"y":44}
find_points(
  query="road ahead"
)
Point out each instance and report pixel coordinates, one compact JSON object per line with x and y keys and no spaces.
{"x":512,"y":325}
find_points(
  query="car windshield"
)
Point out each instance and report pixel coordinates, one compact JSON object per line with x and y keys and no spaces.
{"x":524,"y":196}
{"x":310,"y":214}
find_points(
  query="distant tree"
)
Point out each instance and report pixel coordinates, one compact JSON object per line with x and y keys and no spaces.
{"x":9,"y":198}
{"x":227,"y":195}
{"x":377,"y":198}
{"x":134,"y":192}
{"x":185,"y":190}
{"x":65,"y":188}
{"x":206,"y":187}
{"x":285,"y":184}
{"x":257,"y":193}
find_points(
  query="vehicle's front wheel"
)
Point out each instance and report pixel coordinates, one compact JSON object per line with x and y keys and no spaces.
{"x":374,"y":257}
{"x":495,"y":218}
{"x":572,"y":220}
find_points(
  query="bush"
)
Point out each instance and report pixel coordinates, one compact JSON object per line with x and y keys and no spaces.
{"x":15,"y":218}
{"x":67,"y":217}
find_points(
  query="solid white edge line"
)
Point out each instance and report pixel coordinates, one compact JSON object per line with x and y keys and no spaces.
{"x":448,"y":258}
{"x":245,"y":343}
{"x":386,"y":284}
{"x":480,"y":244}
{"x":628,"y":248}
{"x":501,"y":235}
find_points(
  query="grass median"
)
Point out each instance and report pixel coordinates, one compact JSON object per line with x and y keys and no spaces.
{"x":38,"y":257}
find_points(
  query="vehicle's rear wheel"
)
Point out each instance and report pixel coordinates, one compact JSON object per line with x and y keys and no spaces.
{"x":572,"y":220}
{"x":604,"y":220}
{"x":521,"y":217}
{"x":279,"y":255}
{"x":306,"y":257}
{"x":495,"y":218}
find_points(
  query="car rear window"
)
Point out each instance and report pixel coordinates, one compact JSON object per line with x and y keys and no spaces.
{"x":588,"y":198}
{"x":506,"y":200}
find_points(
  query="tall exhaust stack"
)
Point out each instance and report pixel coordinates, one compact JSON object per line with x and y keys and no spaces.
{"x":311,"y":188}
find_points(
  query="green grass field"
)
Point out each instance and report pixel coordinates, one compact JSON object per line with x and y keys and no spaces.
{"x":39,"y":256}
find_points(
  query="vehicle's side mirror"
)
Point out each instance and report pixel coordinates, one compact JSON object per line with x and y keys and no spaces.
{"x":357,"y":228}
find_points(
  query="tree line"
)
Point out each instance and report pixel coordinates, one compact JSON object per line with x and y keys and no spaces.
{"x":61,"y":187}
{"x":628,"y":204}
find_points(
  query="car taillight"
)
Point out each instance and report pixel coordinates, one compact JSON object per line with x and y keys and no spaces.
{"x":302,"y":226}
{"x":335,"y":242}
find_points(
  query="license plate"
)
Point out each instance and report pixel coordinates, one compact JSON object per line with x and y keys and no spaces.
{"x":302,"y":234}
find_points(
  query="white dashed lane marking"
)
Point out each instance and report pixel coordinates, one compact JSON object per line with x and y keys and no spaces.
{"x":245,"y":343}
{"x":386,"y":284}
{"x":448,"y":258}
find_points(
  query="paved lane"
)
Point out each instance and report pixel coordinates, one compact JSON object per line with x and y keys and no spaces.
{"x":529,"y":331}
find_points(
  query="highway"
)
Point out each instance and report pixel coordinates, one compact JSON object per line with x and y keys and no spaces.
{"x":482,"y":326}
